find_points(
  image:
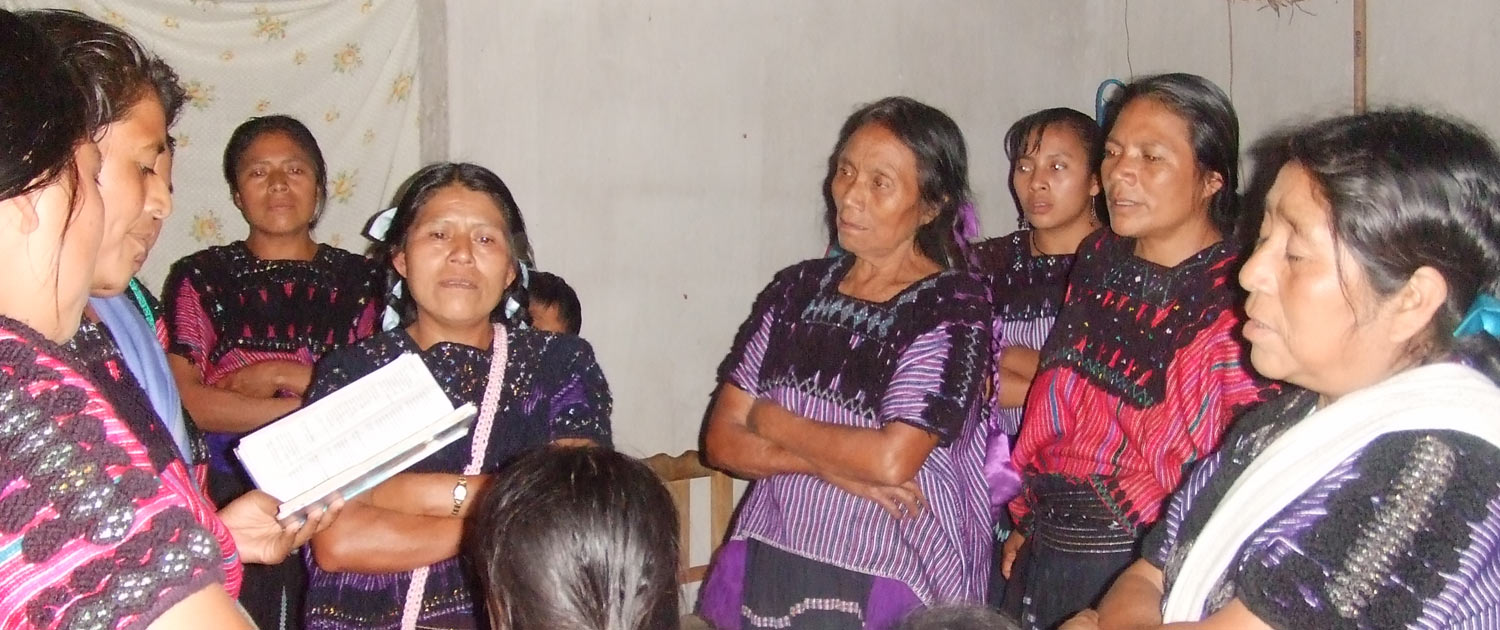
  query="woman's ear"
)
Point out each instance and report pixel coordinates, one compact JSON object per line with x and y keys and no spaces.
{"x":512,"y":272}
{"x":1213,"y":182}
{"x":20,"y":212}
{"x":1415,"y":303}
{"x":398,"y":260}
{"x":1094,"y":186}
{"x":930,"y":211}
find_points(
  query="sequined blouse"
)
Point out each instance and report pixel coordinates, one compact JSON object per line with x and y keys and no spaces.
{"x":91,"y":534}
{"x":920,"y":358}
{"x":226,"y":309}
{"x":1141,"y":375}
{"x":1404,"y":533}
{"x":1028,"y":292}
{"x":553,"y":390}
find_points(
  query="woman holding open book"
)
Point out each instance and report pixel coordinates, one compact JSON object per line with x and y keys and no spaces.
{"x":128,"y":543}
{"x":391,"y":560}
{"x":93,"y":535}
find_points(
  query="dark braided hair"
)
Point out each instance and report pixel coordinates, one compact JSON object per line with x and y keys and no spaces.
{"x":417,"y":190}
{"x":1410,"y":189}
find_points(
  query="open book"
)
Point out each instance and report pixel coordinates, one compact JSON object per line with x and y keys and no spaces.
{"x":355,"y":438}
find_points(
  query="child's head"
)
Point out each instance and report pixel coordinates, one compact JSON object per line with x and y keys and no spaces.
{"x":577,"y":539}
{"x":972,"y":617}
{"x":554,"y":306}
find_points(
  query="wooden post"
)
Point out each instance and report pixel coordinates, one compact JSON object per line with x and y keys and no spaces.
{"x":678,"y":474}
{"x":682,"y":498}
{"x":1361,"y":54}
{"x":721,"y":495}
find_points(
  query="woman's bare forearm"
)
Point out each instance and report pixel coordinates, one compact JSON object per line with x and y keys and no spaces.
{"x":1133,"y":601}
{"x":368,"y":539}
{"x":729,"y":445}
{"x":222,"y":410}
{"x":887,"y":456}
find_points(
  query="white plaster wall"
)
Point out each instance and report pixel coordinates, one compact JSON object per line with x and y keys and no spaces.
{"x":667,"y":155}
{"x":1441,"y":54}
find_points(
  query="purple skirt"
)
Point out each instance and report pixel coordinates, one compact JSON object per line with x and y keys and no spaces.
{"x":755,"y":585}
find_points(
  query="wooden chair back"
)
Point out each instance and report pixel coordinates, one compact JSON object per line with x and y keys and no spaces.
{"x":678,"y":474}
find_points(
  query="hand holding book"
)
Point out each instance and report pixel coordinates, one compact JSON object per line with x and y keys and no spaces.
{"x":354,"y":438}
{"x":260,"y":537}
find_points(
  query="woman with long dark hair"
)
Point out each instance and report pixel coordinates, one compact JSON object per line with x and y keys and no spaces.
{"x":391,"y":560}
{"x":1363,"y":496}
{"x":854,"y":395}
{"x":95,"y":536}
{"x":1143,"y":369}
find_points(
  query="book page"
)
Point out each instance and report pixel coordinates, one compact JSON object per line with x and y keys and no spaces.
{"x":348,"y":427}
{"x":382,"y":466}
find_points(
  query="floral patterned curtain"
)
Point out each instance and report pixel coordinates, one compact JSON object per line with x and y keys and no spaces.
{"x":346,"y":68}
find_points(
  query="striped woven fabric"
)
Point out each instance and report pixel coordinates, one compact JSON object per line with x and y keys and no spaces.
{"x":90,"y":534}
{"x":920,"y":358}
{"x":1142,"y":374}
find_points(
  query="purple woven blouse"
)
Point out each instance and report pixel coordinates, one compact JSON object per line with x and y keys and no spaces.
{"x":921,"y":358}
{"x":1403,"y":534}
{"x":1028,"y":291}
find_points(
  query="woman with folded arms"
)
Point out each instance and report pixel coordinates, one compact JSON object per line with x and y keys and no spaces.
{"x":1143,"y":370}
{"x":854,"y":396}
{"x":391,"y":559}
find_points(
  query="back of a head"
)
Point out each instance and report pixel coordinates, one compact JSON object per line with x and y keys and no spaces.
{"x":549,"y":288}
{"x":42,"y":112}
{"x":577,"y":539}
{"x":973,"y":617}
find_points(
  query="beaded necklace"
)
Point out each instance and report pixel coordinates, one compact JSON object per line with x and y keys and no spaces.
{"x":139,"y":295}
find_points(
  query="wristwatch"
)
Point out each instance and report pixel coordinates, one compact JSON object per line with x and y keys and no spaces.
{"x":460,"y":493}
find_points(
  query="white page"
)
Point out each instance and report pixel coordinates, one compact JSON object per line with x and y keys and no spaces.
{"x":311,"y":445}
{"x":372,"y":472}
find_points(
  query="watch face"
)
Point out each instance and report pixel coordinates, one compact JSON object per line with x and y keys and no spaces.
{"x":460,"y":492}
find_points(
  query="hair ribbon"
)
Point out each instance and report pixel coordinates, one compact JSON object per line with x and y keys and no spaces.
{"x":966,"y":230}
{"x":378,"y":229}
{"x":1483,"y":316}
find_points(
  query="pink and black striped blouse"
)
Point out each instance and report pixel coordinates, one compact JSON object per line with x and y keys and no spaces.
{"x":92,"y":532}
{"x":1141,"y":376}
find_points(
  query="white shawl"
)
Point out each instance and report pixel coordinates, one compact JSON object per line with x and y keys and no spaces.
{"x":1443,"y":396}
